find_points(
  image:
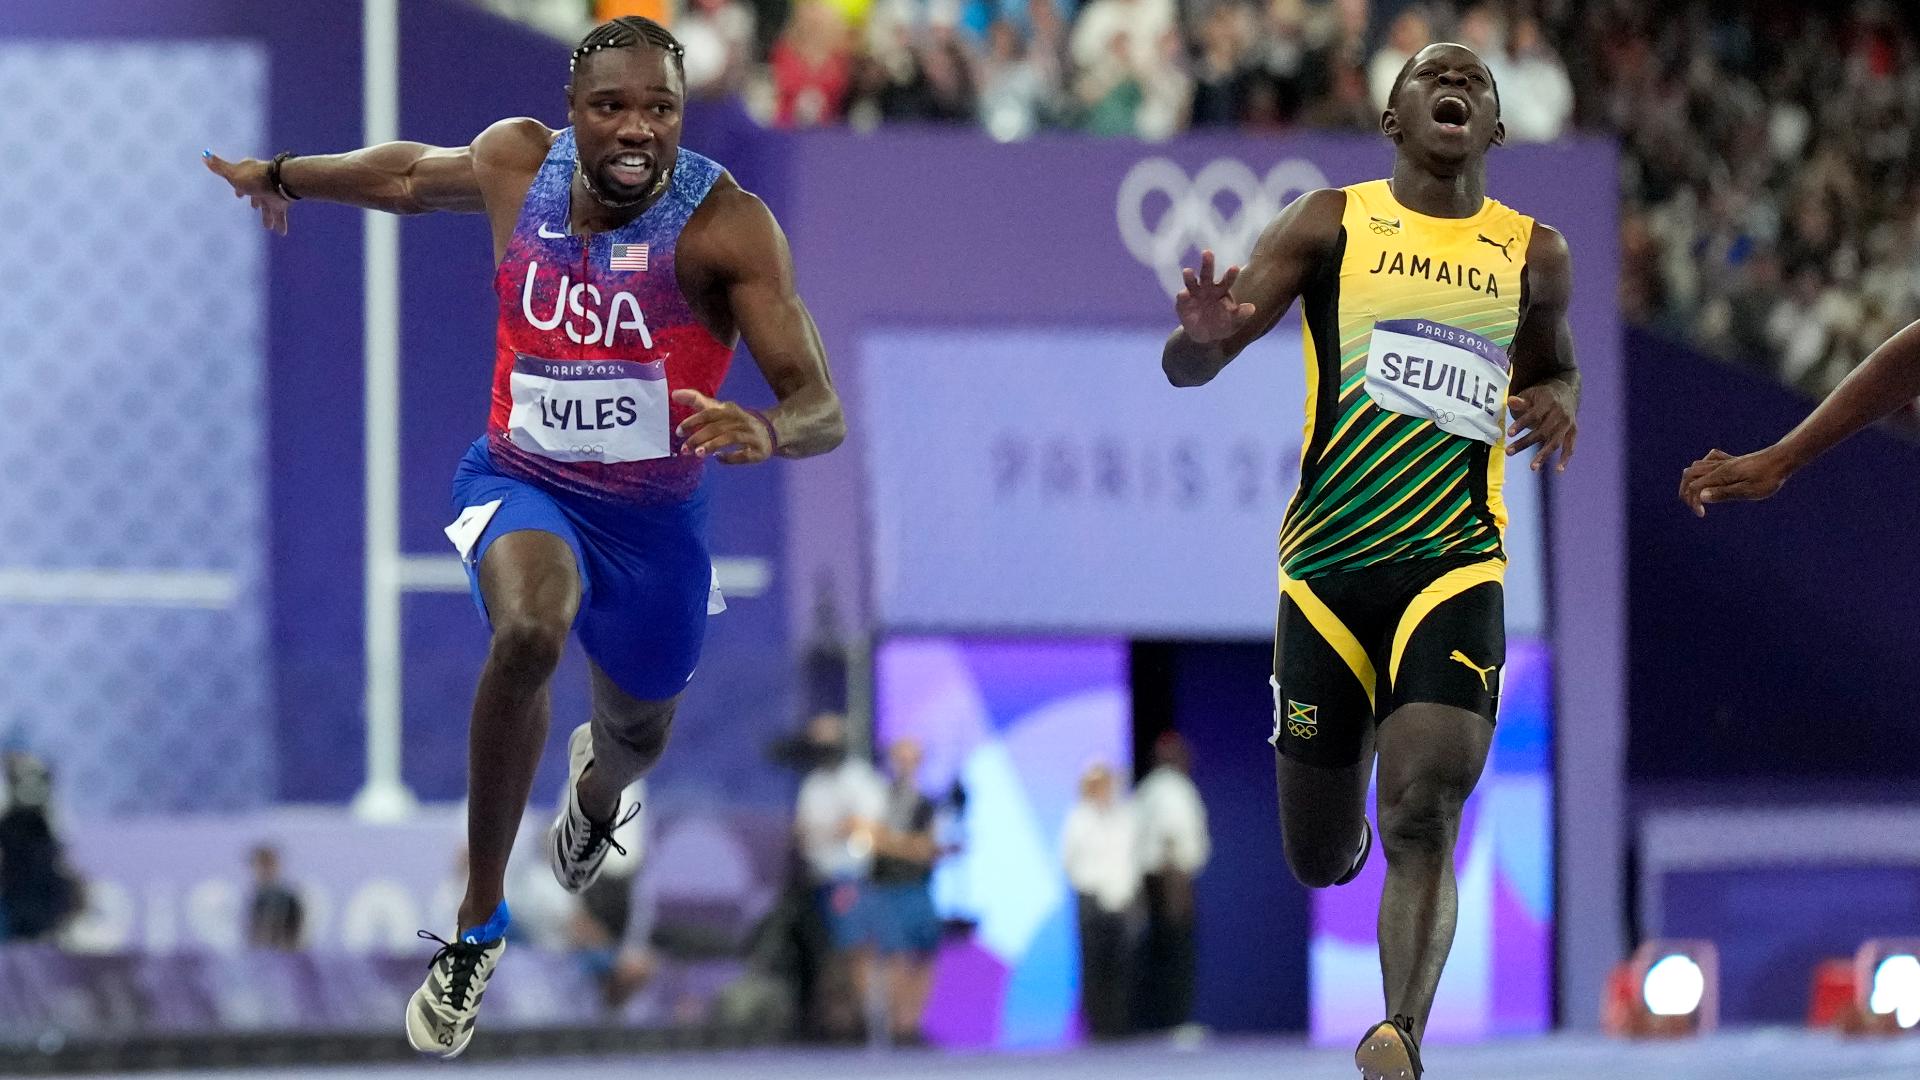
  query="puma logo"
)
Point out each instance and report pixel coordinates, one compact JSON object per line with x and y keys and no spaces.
{"x":1485,"y":239}
{"x":1463,"y":658}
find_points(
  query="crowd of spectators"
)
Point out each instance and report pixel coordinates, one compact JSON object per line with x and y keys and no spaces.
{"x":1143,"y":68}
{"x":1769,"y":208}
{"x":1769,"y":196}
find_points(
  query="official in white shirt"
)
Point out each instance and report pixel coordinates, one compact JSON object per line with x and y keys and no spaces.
{"x":1099,"y":845}
{"x":1174,"y":847}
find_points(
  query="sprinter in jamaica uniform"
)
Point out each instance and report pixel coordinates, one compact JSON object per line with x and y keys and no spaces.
{"x":1436,"y":346}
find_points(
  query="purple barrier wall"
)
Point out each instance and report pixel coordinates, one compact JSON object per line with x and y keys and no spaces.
{"x":49,"y":997}
{"x":161,"y":945}
{"x":1775,"y":925}
{"x":1771,"y":642}
{"x":181,"y":884}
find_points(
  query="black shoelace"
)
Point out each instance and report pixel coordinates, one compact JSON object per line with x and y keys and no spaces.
{"x":1405,"y":1024}
{"x":600,"y":834}
{"x":463,"y":962}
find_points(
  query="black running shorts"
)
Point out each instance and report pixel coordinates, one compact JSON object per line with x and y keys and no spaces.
{"x":1353,"y":646}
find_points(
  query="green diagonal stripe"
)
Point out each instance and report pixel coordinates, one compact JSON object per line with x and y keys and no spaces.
{"x":1414,"y":483}
{"x":1327,"y":556}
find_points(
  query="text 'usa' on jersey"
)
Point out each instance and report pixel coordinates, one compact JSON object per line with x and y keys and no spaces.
{"x":1406,"y":336}
{"x":594,"y":336}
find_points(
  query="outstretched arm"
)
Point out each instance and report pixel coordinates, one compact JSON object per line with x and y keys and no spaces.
{"x":754,"y":270}
{"x":1545,"y":393}
{"x":1888,"y":379}
{"x":397,"y":177}
{"x":1220,"y":318}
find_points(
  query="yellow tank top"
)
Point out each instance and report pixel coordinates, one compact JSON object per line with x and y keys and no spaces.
{"x":1406,"y":334}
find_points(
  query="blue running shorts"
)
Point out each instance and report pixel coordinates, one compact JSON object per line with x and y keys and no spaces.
{"x":646,"y":579}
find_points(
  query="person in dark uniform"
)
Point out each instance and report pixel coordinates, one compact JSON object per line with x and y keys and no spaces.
{"x":906,"y":929}
{"x":275,"y":916}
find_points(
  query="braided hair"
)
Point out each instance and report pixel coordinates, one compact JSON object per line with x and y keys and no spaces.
{"x":626,"y":32}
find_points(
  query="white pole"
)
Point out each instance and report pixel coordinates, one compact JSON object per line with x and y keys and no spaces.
{"x":385,"y":796}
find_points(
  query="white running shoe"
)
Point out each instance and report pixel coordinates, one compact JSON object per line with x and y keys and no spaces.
{"x":576,"y":846}
{"x":440,"y":1014}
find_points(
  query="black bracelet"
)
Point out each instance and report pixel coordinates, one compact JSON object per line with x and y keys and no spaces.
{"x":273,"y":175}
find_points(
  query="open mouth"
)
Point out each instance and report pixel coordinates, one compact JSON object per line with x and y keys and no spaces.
{"x":1452,"y":112}
{"x":630,"y":168}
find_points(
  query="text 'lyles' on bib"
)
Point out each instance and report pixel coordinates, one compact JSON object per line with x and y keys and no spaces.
{"x":1452,"y":377}
{"x":590,"y":410}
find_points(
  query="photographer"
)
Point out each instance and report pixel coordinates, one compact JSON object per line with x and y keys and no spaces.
{"x":905,"y":929}
{"x":38,"y":894}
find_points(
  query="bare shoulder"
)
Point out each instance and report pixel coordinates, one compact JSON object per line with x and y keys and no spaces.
{"x":1549,"y":267}
{"x":1321,"y":205}
{"x":732,"y":209}
{"x":1548,"y":245}
{"x":733,"y":228}
{"x":1317,"y":211}
{"x":1308,"y":224}
{"x":514,"y":145}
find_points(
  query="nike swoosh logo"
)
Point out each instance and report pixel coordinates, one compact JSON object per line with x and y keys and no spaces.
{"x":545,"y":235}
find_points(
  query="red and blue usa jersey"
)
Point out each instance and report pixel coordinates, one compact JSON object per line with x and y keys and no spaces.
{"x":594,"y":336}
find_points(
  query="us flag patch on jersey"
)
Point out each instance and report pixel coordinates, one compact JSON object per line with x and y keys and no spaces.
{"x":631,"y":257}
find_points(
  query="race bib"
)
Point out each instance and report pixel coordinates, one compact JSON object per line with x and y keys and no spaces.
{"x":590,"y":410}
{"x":1452,"y":377}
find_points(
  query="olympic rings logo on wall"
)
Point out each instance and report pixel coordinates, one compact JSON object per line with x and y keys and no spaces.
{"x":1165,"y":216}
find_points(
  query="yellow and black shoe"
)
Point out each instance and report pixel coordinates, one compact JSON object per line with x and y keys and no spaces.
{"x":1389,"y":1051}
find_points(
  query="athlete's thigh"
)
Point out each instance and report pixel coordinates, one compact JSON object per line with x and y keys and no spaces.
{"x":1323,"y":697}
{"x":1430,"y":758}
{"x":1323,"y":734}
{"x":529,"y":575}
{"x":525,"y":558}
